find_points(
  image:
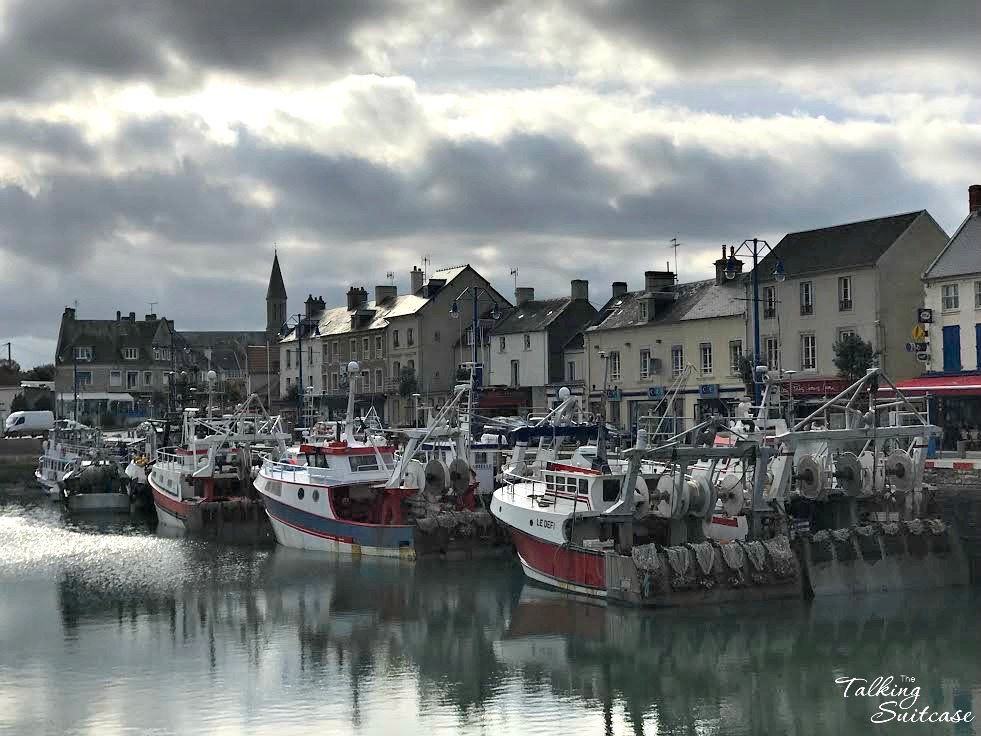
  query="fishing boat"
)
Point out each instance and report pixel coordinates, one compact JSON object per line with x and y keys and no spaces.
{"x":205,"y":484}
{"x":97,"y":485}
{"x":354,"y":497}
{"x":68,"y":446}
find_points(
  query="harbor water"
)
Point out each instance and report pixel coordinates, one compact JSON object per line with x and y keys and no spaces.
{"x":107,"y":627}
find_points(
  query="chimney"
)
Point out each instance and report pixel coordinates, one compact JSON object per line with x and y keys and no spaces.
{"x":723,"y":262}
{"x":150,"y":317}
{"x":415,"y":279}
{"x":356,"y":296}
{"x":619,"y":288}
{"x":658,"y":280}
{"x":70,"y":313}
{"x":310,"y":306}
{"x":974,"y":198}
{"x":580,"y":289}
{"x":132,"y":316}
{"x":119,"y":315}
{"x":524,"y":294}
{"x":383,"y":292}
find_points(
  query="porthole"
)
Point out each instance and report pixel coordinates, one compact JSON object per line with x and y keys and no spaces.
{"x":299,"y":494}
{"x":316,"y":496}
{"x":531,"y":522}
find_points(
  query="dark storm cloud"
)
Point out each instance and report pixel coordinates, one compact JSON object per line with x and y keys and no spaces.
{"x":700,"y":33}
{"x":27,"y":137}
{"x":43,"y":40}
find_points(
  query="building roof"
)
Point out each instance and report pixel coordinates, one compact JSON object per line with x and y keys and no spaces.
{"x":108,"y":337}
{"x":962,"y":254}
{"x":531,"y":316}
{"x":277,"y":289}
{"x":838,"y":247}
{"x":695,"y":300}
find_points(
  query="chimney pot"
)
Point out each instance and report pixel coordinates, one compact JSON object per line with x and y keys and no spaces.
{"x":580,"y":289}
{"x":150,"y":317}
{"x":974,"y":198}
{"x":619,"y":288}
{"x":524,"y":294}
{"x":132,"y":316}
{"x":356,"y":296}
{"x":119,"y":315}
{"x":415,"y":279}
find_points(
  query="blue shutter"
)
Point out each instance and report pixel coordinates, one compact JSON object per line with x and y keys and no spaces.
{"x":977,"y":349}
{"x":952,"y":348}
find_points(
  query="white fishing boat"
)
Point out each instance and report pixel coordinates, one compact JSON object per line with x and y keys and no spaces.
{"x":68,"y":447}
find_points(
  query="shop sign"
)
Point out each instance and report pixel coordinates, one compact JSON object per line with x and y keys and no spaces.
{"x":655,"y":392}
{"x":708,"y":391}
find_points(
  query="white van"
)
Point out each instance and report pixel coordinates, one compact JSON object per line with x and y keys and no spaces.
{"x":21,"y":423}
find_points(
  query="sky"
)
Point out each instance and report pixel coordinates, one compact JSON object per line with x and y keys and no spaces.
{"x":157,"y":152}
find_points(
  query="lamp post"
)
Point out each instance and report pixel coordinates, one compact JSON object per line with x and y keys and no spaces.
{"x":754,"y":247}
{"x":495,"y":314}
{"x":300,"y":322}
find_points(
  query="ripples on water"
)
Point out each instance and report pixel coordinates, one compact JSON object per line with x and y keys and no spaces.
{"x":106,"y":627}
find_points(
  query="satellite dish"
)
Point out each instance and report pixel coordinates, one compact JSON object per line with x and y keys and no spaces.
{"x":810,"y":478}
{"x":899,"y":470}
{"x":848,"y":473}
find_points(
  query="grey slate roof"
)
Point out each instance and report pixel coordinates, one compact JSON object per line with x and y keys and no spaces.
{"x":695,"y":300}
{"x":107,"y":338}
{"x":962,"y":254}
{"x":840,"y":246}
{"x":532,"y":316}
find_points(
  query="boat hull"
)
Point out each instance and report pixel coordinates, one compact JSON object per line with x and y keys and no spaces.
{"x":170,"y":512}
{"x":572,"y":569}
{"x":299,"y":529}
{"x":51,"y":488}
{"x":98,"y":502}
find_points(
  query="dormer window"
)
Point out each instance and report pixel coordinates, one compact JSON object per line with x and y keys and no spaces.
{"x":643,"y":311}
{"x":83,"y":353}
{"x":131,"y":353}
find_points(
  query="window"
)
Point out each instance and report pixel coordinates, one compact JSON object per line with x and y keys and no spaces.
{"x":614,"y":365}
{"x":378,"y":379}
{"x":807,"y":297}
{"x":84,"y":378}
{"x":287,"y":381}
{"x":515,"y":373}
{"x":396,"y":370}
{"x":527,"y":341}
{"x":409,"y":340}
{"x":705,"y":357}
{"x":395,"y":338}
{"x":570,"y":372}
{"x":771,"y":347}
{"x":147,"y":378}
{"x":115,"y":378}
{"x":365,"y":347}
{"x":335,"y":350}
{"x":131,"y":353}
{"x":645,"y":363}
{"x":502,"y":343}
{"x":977,"y":294}
{"x":352,"y":345}
{"x":161,"y":353}
{"x":83,"y":353}
{"x":335,"y":382}
{"x":310,"y":382}
{"x":844,"y":293}
{"x":326,"y":353}
{"x":379,"y":344}
{"x":677,"y":360}
{"x":769,"y":302}
{"x":735,"y":353}
{"x":132,"y":379}
{"x":949,"y":298}
{"x":643,"y":310}
{"x":845,"y":332}
{"x":310,"y":355}
{"x":287,"y":358}
{"x":411,"y":365}
{"x":808,"y":352}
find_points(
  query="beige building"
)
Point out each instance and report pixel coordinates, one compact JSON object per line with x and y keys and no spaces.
{"x":648,"y":337}
{"x":861,"y":278}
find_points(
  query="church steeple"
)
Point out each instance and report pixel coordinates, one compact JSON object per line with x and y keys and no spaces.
{"x":275,"y":298}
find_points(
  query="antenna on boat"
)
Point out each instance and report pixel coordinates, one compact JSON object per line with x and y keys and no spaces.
{"x":600,"y":461}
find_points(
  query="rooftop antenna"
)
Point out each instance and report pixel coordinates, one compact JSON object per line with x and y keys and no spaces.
{"x":390,"y":275}
{"x":514,"y":272}
{"x":425,"y":267}
{"x":152,"y":307}
{"x":675,"y":244}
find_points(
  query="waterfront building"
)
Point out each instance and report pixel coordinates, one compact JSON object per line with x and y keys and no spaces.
{"x":526,"y":350}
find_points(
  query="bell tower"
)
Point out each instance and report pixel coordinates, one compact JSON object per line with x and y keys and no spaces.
{"x":275,"y":299}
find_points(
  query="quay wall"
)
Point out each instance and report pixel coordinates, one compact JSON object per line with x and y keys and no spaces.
{"x":18,"y":459}
{"x":958,"y":499}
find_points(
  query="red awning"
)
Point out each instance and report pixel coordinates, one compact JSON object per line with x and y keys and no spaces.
{"x":939,"y":386}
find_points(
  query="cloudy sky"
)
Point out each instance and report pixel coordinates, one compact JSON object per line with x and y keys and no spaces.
{"x":156,"y":151}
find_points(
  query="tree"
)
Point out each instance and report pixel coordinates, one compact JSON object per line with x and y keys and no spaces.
{"x":407,"y":382}
{"x":18,"y":403}
{"x":853,"y":356}
{"x":44,"y":372}
{"x":292,"y":393}
{"x":9,"y":372}
{"x":44,"y":402}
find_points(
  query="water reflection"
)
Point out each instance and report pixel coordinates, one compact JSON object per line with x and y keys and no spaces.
{"x":138,"y":631}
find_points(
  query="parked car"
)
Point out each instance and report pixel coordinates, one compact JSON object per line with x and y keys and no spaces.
{"x":28,"y":423}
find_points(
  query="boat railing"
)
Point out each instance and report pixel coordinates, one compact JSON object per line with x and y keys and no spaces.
{"x":170,"y":455}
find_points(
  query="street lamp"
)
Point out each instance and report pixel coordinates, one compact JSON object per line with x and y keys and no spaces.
{"x":301,"y":323}
{"x":495,"y":313}
{"x":754,"y":247}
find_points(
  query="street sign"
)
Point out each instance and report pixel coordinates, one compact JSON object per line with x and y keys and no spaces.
{"x":919,"y":333}
{"x":924,"y":316}
{"x":923,"y":357}
{"x":911,"y":347}
{"x":655,"y":392}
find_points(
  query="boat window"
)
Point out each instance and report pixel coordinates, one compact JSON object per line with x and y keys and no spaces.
{"x":583,"y":486}
{"x":316,"y":495}
{"x":550,"y":483}
{"x":480,"y":458}
{"x":362,"y":463}
{"x":299,"y":493}
{"x":611,"y":489}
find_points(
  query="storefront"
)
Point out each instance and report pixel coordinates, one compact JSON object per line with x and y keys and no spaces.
{"x":953,"y":403}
